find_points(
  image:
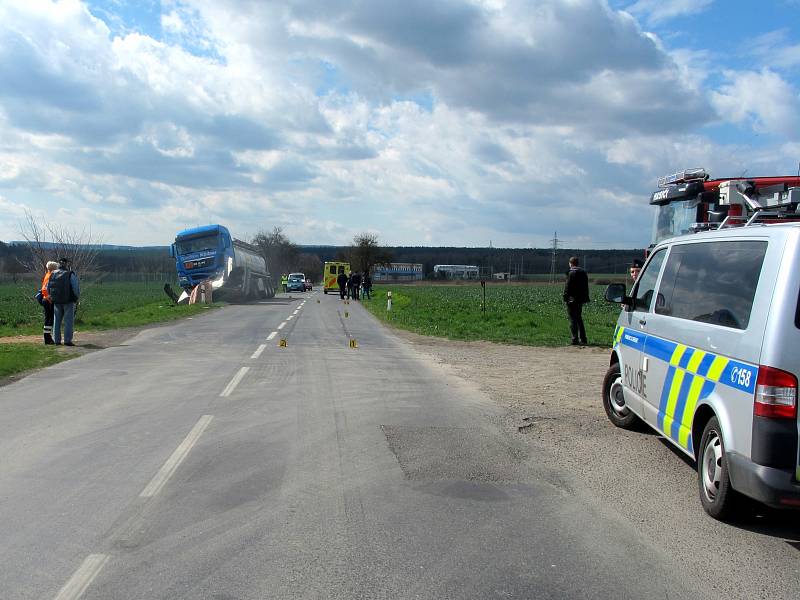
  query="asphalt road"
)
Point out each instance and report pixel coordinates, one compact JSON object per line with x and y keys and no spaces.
{"x":203,"y":460}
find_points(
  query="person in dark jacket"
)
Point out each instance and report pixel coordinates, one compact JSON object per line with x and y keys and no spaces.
{"x":366,"y":285}
{"x":64,"y":291}
{"x":356,"y":285}
{"x":576,"y":294}
{"x":342,"y":281}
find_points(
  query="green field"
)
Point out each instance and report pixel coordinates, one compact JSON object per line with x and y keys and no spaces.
{"x":15,"y":358}
{"x":102,"y":306}
{"x":515,"y":314}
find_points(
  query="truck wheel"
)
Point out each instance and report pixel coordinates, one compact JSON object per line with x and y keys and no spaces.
{"x":325,"y":292}
{"x":719,"y":499}
{"x":614,"y":400}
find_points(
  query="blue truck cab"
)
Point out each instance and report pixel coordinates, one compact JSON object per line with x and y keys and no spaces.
{"x":210,"y":253}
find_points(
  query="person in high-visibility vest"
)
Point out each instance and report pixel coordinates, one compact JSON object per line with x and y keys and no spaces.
{"x":44,"y":299}
{"x":284,"y":281}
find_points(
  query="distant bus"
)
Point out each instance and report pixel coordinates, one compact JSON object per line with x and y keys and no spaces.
{"x":330,"y":275}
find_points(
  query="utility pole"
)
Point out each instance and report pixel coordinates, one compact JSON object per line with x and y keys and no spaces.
{"x":555,"y":242}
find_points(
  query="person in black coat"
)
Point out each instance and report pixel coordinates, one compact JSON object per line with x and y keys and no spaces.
{"x":356,"y":285}
{"x":342,"y":281}
{"x":576,"y":294}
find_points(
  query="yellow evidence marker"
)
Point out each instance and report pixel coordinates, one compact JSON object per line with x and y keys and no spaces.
{"x":353,"y":343}
{"x":283,"y":343}
{"x":346,"y":314}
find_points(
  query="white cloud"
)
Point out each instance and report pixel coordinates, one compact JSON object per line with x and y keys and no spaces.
{"x":764,"y":99}
{"x":446,"y":123}
{"x":658,"y":11}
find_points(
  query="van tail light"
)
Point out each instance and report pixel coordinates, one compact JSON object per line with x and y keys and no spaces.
{"x":776,"y":394}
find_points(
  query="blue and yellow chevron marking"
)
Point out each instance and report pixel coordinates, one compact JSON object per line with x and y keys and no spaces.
{"x":692,"y":376}
{"x":618,"y":335}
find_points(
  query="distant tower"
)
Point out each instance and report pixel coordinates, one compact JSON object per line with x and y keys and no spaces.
{"x":555,"y":241}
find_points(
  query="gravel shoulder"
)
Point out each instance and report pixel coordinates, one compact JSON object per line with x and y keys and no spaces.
{"x":552,"y":401}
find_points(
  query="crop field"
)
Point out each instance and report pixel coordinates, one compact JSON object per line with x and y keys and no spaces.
{"x":102,"y":306}
{"x":531,"y":315}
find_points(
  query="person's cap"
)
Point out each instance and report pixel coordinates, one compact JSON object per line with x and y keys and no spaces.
{"x":636,"y":264}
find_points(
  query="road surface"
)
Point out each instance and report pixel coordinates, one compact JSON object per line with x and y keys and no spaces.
{"x":204,"y":460}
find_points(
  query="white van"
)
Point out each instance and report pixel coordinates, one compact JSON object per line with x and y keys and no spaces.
{"x":707,"y":352}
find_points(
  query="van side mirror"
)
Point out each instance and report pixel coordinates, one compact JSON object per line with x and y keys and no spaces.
{"x":615,"y":293}
{"x":172,"y":250}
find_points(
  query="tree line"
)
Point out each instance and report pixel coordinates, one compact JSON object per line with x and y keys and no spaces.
{"x":45,"y":242}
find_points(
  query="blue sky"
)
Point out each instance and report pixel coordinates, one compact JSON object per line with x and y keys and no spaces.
{"x":446,"y":123}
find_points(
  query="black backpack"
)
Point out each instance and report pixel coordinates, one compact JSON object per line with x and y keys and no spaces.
{"x":59,"y":288}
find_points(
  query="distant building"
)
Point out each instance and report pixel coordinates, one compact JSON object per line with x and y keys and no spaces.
{"x":397,"y":272}
{"x":456,"y":271}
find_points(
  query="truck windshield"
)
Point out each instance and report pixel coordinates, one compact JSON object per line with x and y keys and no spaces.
{"x":673,"y":219}
{"x":209,"y":242}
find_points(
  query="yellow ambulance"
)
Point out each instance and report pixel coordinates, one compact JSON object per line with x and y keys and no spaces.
{"x":330,"y":275}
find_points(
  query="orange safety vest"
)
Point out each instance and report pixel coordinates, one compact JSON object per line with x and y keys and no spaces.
{"x":45,"y":280}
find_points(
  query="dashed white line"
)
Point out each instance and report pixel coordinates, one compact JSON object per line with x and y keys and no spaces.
{"x":290,"y":317}
{"x":282,"y":325}
{"x":234,"y":382}
{"x":295,"y":312}
{"x":174,"y":461}
{"x":258,"y":352}
{"x":83,"y":577}
{"x":272,"y":335}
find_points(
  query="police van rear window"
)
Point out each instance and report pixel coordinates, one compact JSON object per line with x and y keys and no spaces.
{"x":712,"y":282}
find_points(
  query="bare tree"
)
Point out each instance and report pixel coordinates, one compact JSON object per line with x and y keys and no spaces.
{"x":279,"y":252}
{"x":51,"y":241}
{"x":366,"y":252}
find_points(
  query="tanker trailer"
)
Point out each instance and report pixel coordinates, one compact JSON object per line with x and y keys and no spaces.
{"x":237,"y":270}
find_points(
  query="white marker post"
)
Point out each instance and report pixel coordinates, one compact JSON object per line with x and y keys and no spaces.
{"x":388,"y":301}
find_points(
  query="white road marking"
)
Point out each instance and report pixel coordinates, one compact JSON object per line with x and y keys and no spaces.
{"x":234,"y":382}
{"x":174,"y":461}
{"x":258,"y":352}
{"x":282,"y":325}
{"x":83,"y":577}
{"x":290,"y":317}
{"x":295,"y":312}
{"x":272,"y":335}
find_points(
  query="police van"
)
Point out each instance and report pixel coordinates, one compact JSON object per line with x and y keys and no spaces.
{"x":707,"y":352}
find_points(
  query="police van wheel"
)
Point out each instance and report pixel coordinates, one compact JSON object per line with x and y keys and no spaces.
{"x":614,"y":401}
{"x":719,"y":499}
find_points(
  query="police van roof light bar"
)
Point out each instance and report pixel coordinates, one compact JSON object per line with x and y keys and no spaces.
{"x":683,"y":177}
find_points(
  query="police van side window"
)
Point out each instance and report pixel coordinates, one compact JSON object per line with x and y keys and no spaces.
{"x":333,"y":269}
{"x":646,"y":284}
{"x":712,"y":282}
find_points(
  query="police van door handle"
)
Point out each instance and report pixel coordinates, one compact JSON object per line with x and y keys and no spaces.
{"x":642,"y":321}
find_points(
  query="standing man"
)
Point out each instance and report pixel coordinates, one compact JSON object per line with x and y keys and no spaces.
{"x":356,"y":285}
{"x":342,"y":281}
{"x":576,"y":294}
{"x":367,"y":285}
{"x":44,"y":299}
{"x":64,"y":291}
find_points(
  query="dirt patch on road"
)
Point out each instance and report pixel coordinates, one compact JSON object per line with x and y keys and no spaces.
{"x":552,"y":397}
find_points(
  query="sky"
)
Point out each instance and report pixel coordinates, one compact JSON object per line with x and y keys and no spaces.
{"x":445,"y":123}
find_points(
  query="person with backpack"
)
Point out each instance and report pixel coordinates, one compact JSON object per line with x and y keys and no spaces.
{"x":43,"y":298}
{"x":64,"y":290}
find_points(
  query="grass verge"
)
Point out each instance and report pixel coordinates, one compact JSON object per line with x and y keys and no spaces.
{"x":533,"y":315}
{"x":16,"y":358}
